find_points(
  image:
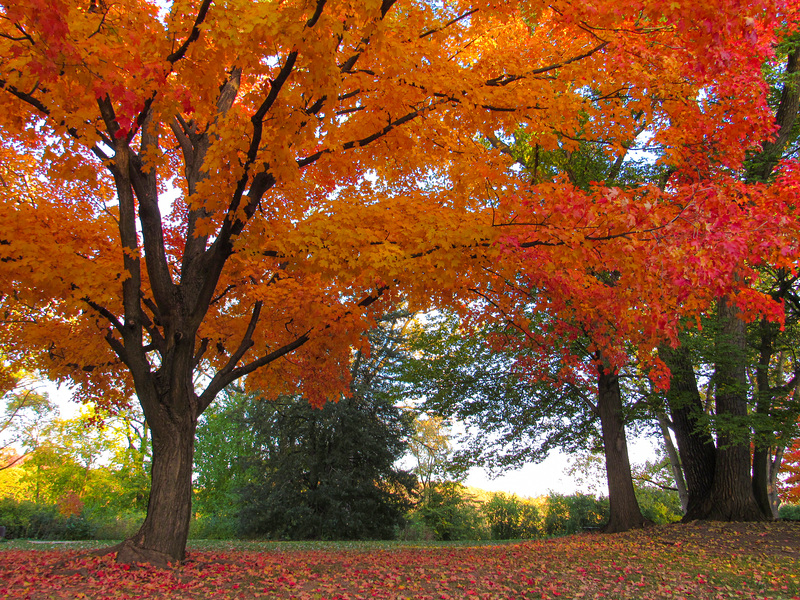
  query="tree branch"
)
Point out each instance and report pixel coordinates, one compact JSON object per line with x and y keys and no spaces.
{"x":303,"y":162}
{"x":317,"y":13}
{"x":37,"y":104}
{"x":467,"y":14}
{"x":195,"y":33}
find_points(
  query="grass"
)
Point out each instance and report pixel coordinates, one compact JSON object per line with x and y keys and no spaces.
{"x":215,"y":545}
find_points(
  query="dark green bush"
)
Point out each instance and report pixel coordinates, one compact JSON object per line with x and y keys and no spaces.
{"x":789,"y":512}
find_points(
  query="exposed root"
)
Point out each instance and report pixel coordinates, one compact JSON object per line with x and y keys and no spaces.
{"x":129,"y":552}
{"x":107,"y":550}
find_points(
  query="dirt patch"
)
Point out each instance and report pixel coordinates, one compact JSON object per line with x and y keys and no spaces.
{"x":779,"y":538}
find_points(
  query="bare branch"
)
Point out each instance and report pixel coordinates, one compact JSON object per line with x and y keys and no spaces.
{"x":317,"y":13}
{"x":105,"y":313}
{"x":506,"y":79}
{"x":449,"y":23}
{"x":37,"y":104}
{"x":372,"y":137}
{"x":195,"y":33}
{"x":201,"y":351}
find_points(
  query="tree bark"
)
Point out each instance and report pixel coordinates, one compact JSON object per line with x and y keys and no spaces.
{"x":772,"y":481}
{"x":695,"y":444}
{"x":171,"y":409}
{"x":731,"y":497}
{"x":766,"y":464}
{"x":761,"y":458}
{"x":762,"y":455}
{"x":162,"y":537}
{"x":624,"y":512}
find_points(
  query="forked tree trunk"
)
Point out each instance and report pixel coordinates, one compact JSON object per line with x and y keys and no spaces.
{"x":731,"y":497}
{"x":695,"y":444}
{"x":624,"y":512}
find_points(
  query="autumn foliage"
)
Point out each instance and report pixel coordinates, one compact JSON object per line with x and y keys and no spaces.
{"x":790,"y":484}
{"x":197,"y":193}
{"x":405,"y":111}
{"x":688,"y":561}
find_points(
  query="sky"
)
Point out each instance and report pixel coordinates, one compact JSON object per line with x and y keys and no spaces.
{"x":552,"y":475}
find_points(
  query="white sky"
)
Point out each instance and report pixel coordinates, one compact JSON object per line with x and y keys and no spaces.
{"x":551,"y":475}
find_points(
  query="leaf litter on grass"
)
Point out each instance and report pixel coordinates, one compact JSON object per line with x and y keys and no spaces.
{"x":695,"y":560}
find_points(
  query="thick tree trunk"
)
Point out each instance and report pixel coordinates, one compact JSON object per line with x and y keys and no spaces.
{"x":695,"y":444}
{"x":171,"y":409}
{"x":763,"y":436}
{"x":624,"y":512}
{"x":162,"y":537}
{"x":731,"y":496}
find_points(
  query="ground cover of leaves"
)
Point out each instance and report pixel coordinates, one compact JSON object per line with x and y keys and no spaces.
{"x":695,"y":560}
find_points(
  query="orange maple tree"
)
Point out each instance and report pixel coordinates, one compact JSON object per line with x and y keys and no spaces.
{"x":197,"y":192}
{"x":790,"y":467}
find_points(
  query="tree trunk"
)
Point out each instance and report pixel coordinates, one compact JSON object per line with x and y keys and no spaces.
{"x":162,"y":537}
{"x":171,"y":410}
{"x":761,"y":458}
{"x":731,"y":496}
{"x":624,"y":512}
{"x":695,"y":444}
{"x":764,"y":434}
{"x":772,"y":481}
{"x":766,"y":463}
{"x":674,"y":461}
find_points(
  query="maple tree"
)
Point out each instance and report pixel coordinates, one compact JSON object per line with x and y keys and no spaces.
{"x":197,"y":192}
{"x":612,"y":330}
{"x":719,"y":475}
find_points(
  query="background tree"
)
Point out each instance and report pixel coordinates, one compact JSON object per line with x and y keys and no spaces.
{"x":291,"y":470}
{"x":26,"y":415}
{"x":431,"y":448}
{"x":224,"y":445}
{"x":518,"y":401}
{"x":509,"y":417}
{"x":326,"y":473}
